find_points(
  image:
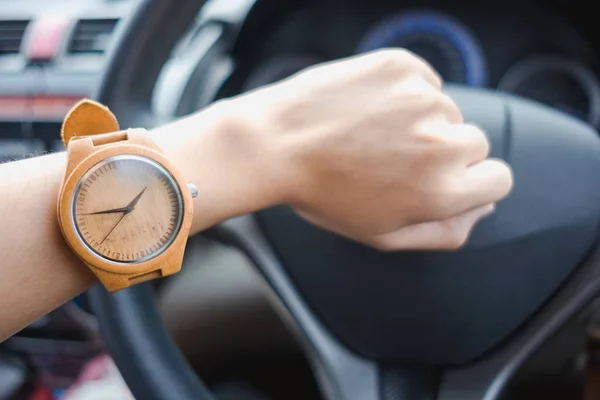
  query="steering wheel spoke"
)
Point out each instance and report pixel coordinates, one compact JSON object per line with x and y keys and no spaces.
{"x":341,"y":373}
{"x":487,"y":378}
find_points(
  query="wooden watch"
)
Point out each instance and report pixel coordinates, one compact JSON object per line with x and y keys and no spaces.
{"x":123,"y":207}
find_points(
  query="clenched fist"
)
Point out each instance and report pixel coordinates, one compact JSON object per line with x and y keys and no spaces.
{"x":368,"y":147}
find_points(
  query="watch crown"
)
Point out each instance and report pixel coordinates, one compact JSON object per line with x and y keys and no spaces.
{"x":193,"y":189}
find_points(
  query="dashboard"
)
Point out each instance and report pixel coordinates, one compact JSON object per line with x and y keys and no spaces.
{"x":51,"y":55}
{"x":538,"y":50}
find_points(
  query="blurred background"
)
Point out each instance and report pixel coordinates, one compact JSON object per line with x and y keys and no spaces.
{"x":53,"y":52}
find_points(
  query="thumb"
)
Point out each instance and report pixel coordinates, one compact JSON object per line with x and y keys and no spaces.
{"x":447,"y":234}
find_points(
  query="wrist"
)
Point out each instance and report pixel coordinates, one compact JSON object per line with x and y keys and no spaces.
{"x":236,"y":168}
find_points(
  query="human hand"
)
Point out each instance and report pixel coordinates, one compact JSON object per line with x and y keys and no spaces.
{"x":368,"y":147}
{"x":376,"y":152}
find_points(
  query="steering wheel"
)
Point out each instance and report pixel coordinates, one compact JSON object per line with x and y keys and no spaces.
{"x":388,"y":326}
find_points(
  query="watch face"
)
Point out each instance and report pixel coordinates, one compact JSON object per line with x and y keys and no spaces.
{"x":127,"y":209}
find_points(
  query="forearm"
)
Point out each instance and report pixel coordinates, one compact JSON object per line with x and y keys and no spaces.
{"x":236,"y":169}
{"x":40,"y":272}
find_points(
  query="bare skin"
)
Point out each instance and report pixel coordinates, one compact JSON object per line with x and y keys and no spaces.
{"x":367,"y":147}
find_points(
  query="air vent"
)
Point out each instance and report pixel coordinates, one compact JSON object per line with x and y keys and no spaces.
{"x":91,"y":36}
{"x":11,"y":36}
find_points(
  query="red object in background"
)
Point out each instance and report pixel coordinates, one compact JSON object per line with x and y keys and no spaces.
{"x":45,"y":37}
{"x":36,"y":107}
{"x":42,"y":392}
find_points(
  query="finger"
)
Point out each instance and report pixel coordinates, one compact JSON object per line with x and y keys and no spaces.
{"x":452,"y":111}
{"x":427,"y":71}
{"x":447,"y":114}
{"x":471,"y":140}
{"x":487,"y":181}
{"x":405,"y":60}
{"x":438,"y":108}
{"x":448,"y":234}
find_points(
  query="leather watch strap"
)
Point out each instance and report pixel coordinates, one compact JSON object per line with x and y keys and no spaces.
{"x":102,"y":139}
{"x":88,"y":118}
{"x":124,"y":281}
{"x":108,"y":138}
{"x":93,"y":122}
{"x":148,"y":276}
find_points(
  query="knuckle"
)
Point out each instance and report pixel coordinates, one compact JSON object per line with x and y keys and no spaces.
{"x":439,"y":81}
{"x":402,"y":61}
{"x":429,"y":168}
{"x":381,"y":245}
{"x":505,"y":168}
{"x":397,"y":57}
{"x":506,"y":177}
{"x":414,"y":94}
{"x":450,"y":107}
{"x":438,"y":147}
{"x":443,"y":197}
{"x":446,"y":102}
{"x":443,"y":144}
{"x":455,"y":234}
{"x":391,"y":60}
{"x":474,"y":130}
{"x":477,"y":133}
{"x":484,"y":143}
{"x":449,"y":148}
{"x":455,"y":240}
{"x":430,"y":156}
{"x":419,"y":65}
{"x":510,"y":178}
{"x":435,"y":102}
{"x":437,"y":203}
{"x":476,"y":139}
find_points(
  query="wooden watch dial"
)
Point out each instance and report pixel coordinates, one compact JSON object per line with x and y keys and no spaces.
{"x":127,"y":209}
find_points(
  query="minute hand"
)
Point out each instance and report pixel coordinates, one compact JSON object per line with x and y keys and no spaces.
{"x":127,"y":209}
{"x":112,"y":211}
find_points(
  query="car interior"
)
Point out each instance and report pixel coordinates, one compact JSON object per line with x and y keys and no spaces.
{"x":268,"y":307}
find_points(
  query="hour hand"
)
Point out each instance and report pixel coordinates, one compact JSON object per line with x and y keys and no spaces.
{"x":137,"y":198}
{"x":111,"y":211}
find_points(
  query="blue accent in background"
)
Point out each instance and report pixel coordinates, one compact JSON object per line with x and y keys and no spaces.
{"x":58,"y":393}
{"x":393,"y":28}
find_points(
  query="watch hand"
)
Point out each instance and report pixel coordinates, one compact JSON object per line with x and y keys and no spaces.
{"x":113,"y":228}
{"x":125,"y":211}
{"x":137,"y":198}
{"x":111,"y":211}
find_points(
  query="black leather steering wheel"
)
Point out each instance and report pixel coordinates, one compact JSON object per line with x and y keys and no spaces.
{"x":409,"y":325}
